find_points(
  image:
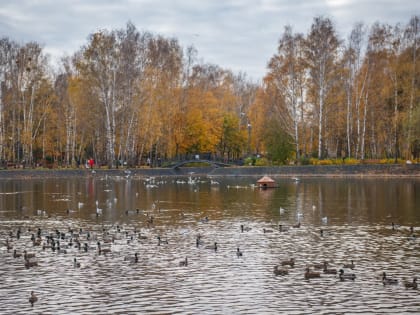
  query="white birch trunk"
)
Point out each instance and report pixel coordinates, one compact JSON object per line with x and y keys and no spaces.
{"x":320,"y":121}
{"x":2,"y":156}
{"x":348,"y":118}
{"x":412,"y":88}
{"x":363,"y":136}
{"x":68,"y":136}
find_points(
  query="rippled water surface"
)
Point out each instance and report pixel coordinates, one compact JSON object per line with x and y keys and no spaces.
{"x":355,"y":216}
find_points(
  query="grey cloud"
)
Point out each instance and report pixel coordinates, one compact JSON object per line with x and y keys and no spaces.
{"x":237,"y":34}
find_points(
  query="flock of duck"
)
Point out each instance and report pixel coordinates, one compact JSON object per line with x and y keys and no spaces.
{"x":63,"y":242}
{"x":342,"y":275}
{"x":82,"y":240}
{"x":311,"y":272}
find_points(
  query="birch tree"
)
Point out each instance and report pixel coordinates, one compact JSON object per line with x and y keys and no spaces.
{"x":286,"y":75}
{"x":99,"y":67}
{"x":133,"y":58}
{"x":321,"y":48}
{"x":355,"y":84}
{"x":412,"y":38}
{"x":377,"y":116}
{"x":5,"y":61}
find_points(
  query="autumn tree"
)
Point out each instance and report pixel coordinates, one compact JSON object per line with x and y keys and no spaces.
{"x":411,"y":39}
{"x":6,"y":61}
{"x":279,"y":143}
{"x":321,"y":48}
{"x":355,"y":80}
{"x":99,"y":68}
{"x":132,"y":46}
{"x":162,"y":79}
{"x":286,"y":75}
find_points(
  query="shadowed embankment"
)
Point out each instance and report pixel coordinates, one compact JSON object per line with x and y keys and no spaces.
{"x":360,"y":170}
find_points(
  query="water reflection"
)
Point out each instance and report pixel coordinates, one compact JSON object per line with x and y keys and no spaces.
{"x":135,"y":213}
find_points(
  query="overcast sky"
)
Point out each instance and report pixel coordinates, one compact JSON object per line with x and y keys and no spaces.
{"x":240,"y":35}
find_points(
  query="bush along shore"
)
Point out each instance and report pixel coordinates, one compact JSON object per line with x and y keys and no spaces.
{"x":361,"y":170}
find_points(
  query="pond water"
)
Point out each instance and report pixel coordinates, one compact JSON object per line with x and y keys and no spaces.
{"x":128,"y":215}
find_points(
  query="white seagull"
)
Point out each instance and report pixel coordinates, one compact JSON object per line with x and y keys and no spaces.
{"x":98,"y":211}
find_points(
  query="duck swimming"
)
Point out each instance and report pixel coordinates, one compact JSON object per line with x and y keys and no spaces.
{"x":198,"y":240}
{"x":394,"y":226}
{"x":76,"y":264}
{"x":213,"y":247}
{"x":388,"y":281}
{"x":245,"y":229}
{"x":132,"y":259}
{"x":346,"y":276}
{"x":283,"y":228}
{"x":33,"y":298}
{"x":103,"y":250}
{"x":238,"y":252}
{"x":184,"y":263}
{"x":320,"y":265}
{"x":280,"y":272}
{"x":297,"y":225}
{"x":30,"y":263}
{"x":290,"y":262}
{"x":350,"y":266}
{"x":411,"y":285}
{"x":28,"y":255}
{"x":161,"y":241}
{"x":329,"y":271}
{"x":310,"y":274}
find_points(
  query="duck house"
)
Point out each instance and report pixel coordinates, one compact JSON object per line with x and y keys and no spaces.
{"x":266,"y":182}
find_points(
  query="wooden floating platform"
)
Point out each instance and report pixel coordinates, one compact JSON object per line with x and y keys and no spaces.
{"x":266,"y":182}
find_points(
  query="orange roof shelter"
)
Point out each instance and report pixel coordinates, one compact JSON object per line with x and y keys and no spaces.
{"x":266,"y":182}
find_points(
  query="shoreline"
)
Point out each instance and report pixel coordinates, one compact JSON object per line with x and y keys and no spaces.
{"x":307,"y":171}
